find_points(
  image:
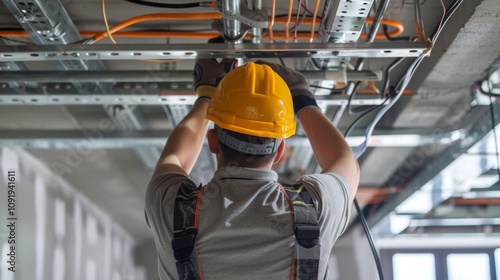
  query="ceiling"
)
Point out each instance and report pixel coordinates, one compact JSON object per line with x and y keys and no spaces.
{"x":417,"y":148}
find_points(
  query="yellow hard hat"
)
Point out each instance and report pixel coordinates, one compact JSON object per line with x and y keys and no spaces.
{"x":254,"y":100}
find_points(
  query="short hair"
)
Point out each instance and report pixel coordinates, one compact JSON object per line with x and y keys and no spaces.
{"x":245,"y":159}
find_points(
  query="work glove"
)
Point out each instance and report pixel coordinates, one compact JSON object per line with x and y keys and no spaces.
{"x":299,"y":88}
{"x":207,"y":73}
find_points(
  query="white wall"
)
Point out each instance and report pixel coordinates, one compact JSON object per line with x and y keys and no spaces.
{"x":60,"y":234}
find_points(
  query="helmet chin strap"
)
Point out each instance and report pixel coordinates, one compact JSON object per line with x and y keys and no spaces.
{"x":246,"y":147}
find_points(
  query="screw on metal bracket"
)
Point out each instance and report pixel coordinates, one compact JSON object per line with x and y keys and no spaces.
{"x":26,"y":17}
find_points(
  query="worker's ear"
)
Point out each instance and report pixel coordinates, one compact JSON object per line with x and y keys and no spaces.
{"x":279,"y":153}
{"x":213,"y":142}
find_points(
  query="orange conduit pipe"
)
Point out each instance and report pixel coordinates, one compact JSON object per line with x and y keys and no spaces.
{"x":197,"y":35}
{"x":315,"y":14}
{"x":389,"y":22}
{"x":271,"y":21}
{"x":158,"y":34}
{"x":149,"y":17}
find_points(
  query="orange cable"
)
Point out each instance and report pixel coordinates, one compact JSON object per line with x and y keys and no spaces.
{"x":148,"y":17}
{"x":273,"y":17}
{"x":197,"y":35}
{"x":396,"y":24}
{"x":313,"y":27}
{"x":420,"y":31}
{"x":373,"y":87}
{"x":158,"y":34}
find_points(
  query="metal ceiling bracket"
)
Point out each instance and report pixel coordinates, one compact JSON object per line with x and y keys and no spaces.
{"x":159,"y":76}
{"x":46,"y":21}
{"x":343,"y":20}
{"x":20,"y":86}
{"x":142,"y":99}
{"x":192,"y":51}
{"x":50,"y":26}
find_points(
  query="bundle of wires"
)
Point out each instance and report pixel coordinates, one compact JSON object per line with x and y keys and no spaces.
{"x":393,"y":96}
{"x":396,"y":93}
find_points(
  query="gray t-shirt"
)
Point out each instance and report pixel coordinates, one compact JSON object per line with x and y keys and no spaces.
{"x":245,"y":229}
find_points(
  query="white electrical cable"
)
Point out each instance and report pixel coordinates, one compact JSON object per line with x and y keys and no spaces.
{"x":359,"y":150}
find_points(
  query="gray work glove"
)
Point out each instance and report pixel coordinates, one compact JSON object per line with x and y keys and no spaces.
{"x":207,"y":73}
{"x":297,"y":83}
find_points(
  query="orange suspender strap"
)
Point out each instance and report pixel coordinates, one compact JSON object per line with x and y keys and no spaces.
{"x":306,"y":228}
{"x":186,"y":217}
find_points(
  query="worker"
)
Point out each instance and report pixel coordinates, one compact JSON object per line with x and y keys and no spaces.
{"x":243,"y":224}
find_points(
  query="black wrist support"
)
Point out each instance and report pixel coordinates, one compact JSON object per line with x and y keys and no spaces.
{"x":302,"y":101}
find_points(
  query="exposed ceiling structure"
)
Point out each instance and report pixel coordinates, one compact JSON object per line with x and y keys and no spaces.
{"x":99,"y":113}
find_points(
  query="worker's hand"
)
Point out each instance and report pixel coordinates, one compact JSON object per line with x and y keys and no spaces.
{"x":208,"y":73}
{"x":297,"y":83}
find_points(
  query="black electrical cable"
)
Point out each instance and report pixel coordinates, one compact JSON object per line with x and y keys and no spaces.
{"x":316,"y":64}
{"x":282,"y":61}
{"x":388,"y":36}
{"x":387,"y":78}
{"x":17,"y":41}
{"x":385,"y":87}
{"x":351,"y":97}
{"x":477,"y":86}
{"x":165,"y":5}
{"x":361,"y":216}
{"x":351,"y":91}
{"x":364,"y":114}
{"x":370,"y":238}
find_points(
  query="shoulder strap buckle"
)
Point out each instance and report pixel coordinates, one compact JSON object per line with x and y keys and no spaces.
{"x":183,"y":245}
{"x":307,"y":235}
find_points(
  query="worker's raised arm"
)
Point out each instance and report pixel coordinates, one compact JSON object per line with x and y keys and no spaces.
{"x":186,"y":140}
{"x":329,"y":146}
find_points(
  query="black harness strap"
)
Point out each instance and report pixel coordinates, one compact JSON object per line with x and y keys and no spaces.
{"x":306,"y":229}
{"x":186,"y":214}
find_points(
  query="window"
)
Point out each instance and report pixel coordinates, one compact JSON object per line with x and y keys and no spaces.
{"x":414,"y":266}
{"x":468,"y":266}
